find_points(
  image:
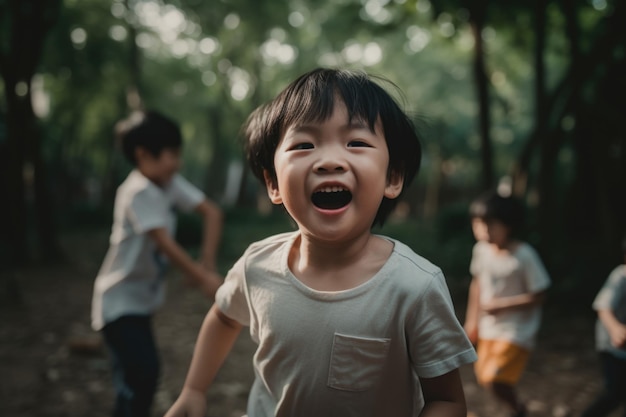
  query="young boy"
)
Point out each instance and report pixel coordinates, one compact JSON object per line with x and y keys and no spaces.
{"x":479,"y":230}
{"x":610,"y":303}
{"x":347,"y":323}
{"x":504,"y":306}
{"x":130,"y":284}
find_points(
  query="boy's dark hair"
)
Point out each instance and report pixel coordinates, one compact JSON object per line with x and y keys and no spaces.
{"x":508,"y":210}
{"x":150,"y":130}
{"x":311,"y":98}
{"x":477,"y":207}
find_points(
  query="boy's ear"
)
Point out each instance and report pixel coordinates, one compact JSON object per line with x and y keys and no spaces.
{"x":272,"y":188}
{"x":395,"y":182}
{"x":141,"y":153}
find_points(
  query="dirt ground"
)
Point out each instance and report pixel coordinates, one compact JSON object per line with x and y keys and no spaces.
{"x":45,"y":370}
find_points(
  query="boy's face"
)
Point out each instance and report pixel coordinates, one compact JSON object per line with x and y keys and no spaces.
{"x":159,"y":169}
{"x":479,"y":228}
{"x":497,"y":233}
{"x":331,"y":176}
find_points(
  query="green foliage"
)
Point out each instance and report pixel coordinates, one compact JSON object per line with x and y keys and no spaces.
{"x":241,"y":228}
{"x":208,"y":64}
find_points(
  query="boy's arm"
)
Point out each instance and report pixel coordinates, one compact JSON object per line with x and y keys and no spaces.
{"x":616,"y":329}
{"x":208,"y":281}
{"x":443,"y":396}
{"x":215,"y":340}
{"x":473,"y":311}
{"x":212,"y":220}
{"x":513,"y":302}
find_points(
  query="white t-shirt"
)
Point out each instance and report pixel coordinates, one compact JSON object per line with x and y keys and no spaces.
{"x":612,"y":296}
{"x":356,"y":352}
{"x":505,"y":275}
{"x":130,"y":280}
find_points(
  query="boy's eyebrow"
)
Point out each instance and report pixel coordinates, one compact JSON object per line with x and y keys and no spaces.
{"x":310,"y":127}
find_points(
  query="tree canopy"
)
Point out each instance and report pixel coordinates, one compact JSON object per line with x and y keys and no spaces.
{"x":527,"y":91}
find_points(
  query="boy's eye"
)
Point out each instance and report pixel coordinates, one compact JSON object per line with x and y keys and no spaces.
{"x":358,"y":144}
{"x":301,"y":146}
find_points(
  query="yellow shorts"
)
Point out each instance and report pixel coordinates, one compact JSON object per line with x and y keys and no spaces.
{"x":499,"y":361}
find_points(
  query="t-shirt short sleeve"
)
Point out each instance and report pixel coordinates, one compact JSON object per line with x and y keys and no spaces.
{"x":231,"y":296}
{"x":148,"y":210}
{"x":537,"y":278}
{"x":477,"y":257}
{"x":184,"y":195}
{"x":613,"y":292}
{"x":440,"y":344}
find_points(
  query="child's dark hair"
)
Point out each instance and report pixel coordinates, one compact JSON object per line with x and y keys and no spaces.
{"x":311,"y":98}
{"x":150,"y":130}
{"x":508,"y":210}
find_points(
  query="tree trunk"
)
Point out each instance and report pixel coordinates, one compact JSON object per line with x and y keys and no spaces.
{"x":477,"y":20}
{"x":18,"y":251}
{"x":549,"y":147}
{"x":29,"y":23}
{"x":215,"y":178}
{"x":557,"y":102}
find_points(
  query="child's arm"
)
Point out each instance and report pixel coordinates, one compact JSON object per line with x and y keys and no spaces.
{"x":473,"y":311}
{"x":443,"y":396}
{"x":514,"y":302}
{"x":208,"y":281}
{"x":212,"y":220}
{"x":616,"y":329}
{"x":215,"y":340}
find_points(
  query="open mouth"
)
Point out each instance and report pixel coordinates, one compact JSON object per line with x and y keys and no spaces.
{"x":331,"y":198}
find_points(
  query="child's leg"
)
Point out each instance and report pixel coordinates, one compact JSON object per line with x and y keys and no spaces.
{"x":507,"y":394}
{"x":499,"y":367}
{"x":135,"y":364}
{"x":614,"y":392}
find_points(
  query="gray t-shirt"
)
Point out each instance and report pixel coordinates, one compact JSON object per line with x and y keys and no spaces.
{"x":357,"y":352}
{"x":130,"y":280}
{"x":612,"y":296}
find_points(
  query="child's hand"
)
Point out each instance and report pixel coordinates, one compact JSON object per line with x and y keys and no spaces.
{"x":207,"y":281}
{"x":618,"y":336}
{"x":210,"y":284}
{"x":190,"y":403}
{"x":472,"y":332}
{"x":208,"y":263}
{"x":491,"y":307}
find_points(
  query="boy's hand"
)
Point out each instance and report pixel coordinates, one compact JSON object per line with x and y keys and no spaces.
{"x":491,"y":307}
{"x":471,"y":329}
{"x":190,"y":403}
{"x":206,"y":281}
{"x":520,"y":301}
{"x":618,"y":336}
{"x":211,"y":283}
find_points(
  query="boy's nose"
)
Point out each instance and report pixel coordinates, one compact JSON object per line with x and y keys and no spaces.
{"x":330,"y":162}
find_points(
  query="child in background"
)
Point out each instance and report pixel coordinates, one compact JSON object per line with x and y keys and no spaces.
{"x":479,"y":230}
{"x":347,"y":323}
{"x":610,"y":304}
{"x":130,"y":284}
{"x":504,"y":306}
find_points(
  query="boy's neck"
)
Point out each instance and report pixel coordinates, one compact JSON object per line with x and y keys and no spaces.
{"x":334,"y":267}
{"x":156,"y":181}
{"x":510,"y":245}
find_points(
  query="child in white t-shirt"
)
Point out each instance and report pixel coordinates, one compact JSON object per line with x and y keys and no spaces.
{"x":504,"y":304}
{"x":130,"y":284}
{"x":610,"y":304}
{"x":347,"y":323}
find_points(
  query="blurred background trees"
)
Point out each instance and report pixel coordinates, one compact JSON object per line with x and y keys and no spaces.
{"x":528,"y":95}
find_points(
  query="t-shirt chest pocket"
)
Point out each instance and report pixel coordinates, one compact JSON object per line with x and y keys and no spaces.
{"x":356,"y":362}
